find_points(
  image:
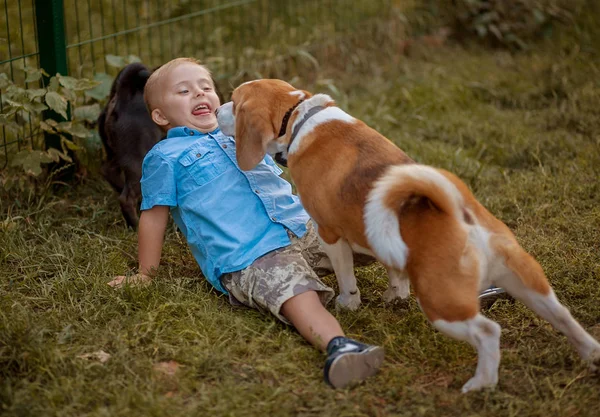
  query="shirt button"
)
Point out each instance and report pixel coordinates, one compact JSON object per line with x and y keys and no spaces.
{"x":224,"y":146}
{"x":191,"y":133}
{"x":274,"y":218}
{"x":198,"y":155}
{"x":257,"y":191}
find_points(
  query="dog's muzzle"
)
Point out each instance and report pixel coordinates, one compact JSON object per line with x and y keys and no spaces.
{"x":226,"y":119}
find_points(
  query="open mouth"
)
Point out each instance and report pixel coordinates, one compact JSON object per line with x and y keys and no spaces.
{"x":201,"y":110}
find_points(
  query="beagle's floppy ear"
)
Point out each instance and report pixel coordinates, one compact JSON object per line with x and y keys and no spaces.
{"x":253,"y":132}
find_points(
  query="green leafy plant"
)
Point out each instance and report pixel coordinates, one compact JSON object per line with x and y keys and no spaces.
{"x":507,"y":23}
{"x":30,"y":107}
{"x":26,"y":118}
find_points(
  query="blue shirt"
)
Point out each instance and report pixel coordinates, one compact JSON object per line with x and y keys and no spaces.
{"x":229,"y":217}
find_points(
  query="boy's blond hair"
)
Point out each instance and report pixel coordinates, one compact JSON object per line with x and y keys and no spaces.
{"x":154,"y":86}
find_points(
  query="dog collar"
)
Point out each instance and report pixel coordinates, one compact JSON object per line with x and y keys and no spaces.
{"x":314,"y":110}
{"x":286,"y":118}
{"x":279,"y":155}
{"x":298,"y":126}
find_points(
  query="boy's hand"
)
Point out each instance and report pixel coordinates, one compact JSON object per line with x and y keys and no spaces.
{"x":137,"y":280}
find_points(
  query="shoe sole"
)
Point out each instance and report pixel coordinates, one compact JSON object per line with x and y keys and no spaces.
{"x":351,"y":368}
{"x":487,"y":299}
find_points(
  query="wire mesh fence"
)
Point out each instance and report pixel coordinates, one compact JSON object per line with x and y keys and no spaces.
{"x":228,"y":35}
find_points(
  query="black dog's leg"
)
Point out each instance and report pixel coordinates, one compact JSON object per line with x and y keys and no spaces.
{"x":113,"y":174}
{"x":129,"y":200}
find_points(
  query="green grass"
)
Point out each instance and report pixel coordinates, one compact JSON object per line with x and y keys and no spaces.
{"x":522,"y":130}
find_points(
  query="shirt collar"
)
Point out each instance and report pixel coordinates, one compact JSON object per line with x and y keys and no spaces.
{"x":186,"y":131}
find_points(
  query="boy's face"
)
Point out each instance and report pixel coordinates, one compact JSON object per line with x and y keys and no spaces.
{"x":188,"y":99}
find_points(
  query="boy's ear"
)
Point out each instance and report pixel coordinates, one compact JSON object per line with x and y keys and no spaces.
{"x":159,"y":118}
{"x":253,"y":132}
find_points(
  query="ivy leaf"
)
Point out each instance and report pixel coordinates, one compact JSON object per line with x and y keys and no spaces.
{"x":34,"y":93}
{"x":51,"y":122}
{"x":31,"y":161}
{"x":115,"y":61}
{"x":46,"y":127}
{"x":57,"y":103}
{"x":69,"y":95}
{"x":102,"y":90}
{"x":53,"y":85}
{"x":35,"y":107}
{"x":89,"y":113}
{"x":11,"y":111}
{"x":16,"y":104}
{"x":23,"y":117}
{"x":76,"y":84}
{"x":73,"y":129}
{"x":69,"y":144}
{"x":32,"y":76}
{"x":17,"y":94}
{"x":4,"y":81}
{"x":57,"y":155}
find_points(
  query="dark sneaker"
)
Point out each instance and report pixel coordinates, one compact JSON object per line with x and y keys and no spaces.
{"x":349,"y":361}
{"x":491,"y":295}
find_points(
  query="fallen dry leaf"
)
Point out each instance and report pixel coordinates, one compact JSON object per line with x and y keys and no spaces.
{"x":100,"y":356}
{"x":168,"y":368}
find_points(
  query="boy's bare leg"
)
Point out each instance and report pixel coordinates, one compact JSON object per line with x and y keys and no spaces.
{"x":348,"y":361}
{"x":311,"y":319}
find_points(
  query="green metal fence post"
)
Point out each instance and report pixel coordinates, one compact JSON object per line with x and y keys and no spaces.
{"x":52,"y":47}
{"x":52,"y":44}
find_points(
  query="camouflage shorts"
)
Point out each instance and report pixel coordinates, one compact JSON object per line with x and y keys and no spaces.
{"x":282,"y":274}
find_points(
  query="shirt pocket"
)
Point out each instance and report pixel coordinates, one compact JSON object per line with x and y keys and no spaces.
{"x":200,"y":164}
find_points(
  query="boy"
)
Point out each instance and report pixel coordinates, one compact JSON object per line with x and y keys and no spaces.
{"x":248,"y":232}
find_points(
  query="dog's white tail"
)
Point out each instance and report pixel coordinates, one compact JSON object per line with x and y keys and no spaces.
{"x":397,"y":185}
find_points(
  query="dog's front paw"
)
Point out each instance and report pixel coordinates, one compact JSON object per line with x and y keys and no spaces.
{"x":477,"y":383}
{"x":393,"y":293}
{"x":390,"y":294}
{"x":348,"y":301}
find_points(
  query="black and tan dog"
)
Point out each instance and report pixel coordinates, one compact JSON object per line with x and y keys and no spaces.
{"x":127,"y":133}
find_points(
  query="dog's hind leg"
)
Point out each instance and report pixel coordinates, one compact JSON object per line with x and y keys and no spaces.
{"x":398,"y":286}
{"x":112,"y":173}
{"x":340,"y":254}
{"x":128,"y":200}
{"x":454,"y":310}
{"x":447,"y":292}
{"x":484,"y":335}
{"x":524,"y":279}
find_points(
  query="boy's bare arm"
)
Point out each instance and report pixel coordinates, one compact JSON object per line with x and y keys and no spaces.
{"x":151,"y":233}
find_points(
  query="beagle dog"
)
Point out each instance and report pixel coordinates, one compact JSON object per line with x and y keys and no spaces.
{"x":422,"y":224}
